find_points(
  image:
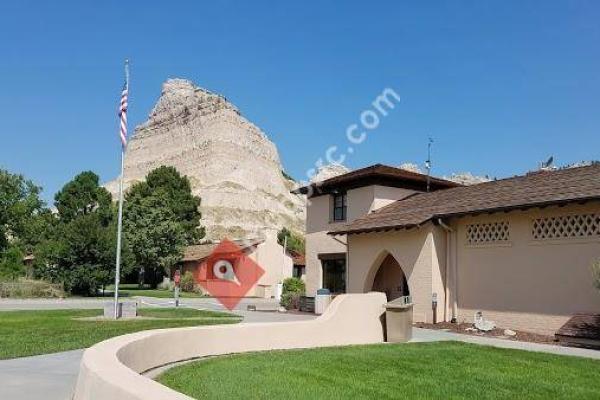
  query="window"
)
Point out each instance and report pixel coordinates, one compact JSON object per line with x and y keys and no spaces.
{"x":485,"y":233}
{"x":339,"y":207}
{"x":566,"y":227}
{"x":334,"y":274}
{"x":298,"y":271}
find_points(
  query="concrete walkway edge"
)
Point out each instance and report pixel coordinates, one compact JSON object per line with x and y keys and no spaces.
{"x":432,"y":335}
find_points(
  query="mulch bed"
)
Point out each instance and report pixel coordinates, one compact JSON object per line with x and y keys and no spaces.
{"x":498,"y":333}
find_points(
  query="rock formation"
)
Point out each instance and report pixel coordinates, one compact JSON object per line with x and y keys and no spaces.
{"x":231,"y":163}
{"x":467,"y":178}
{"x":412,"y":167}
{"x":464,"y":178}
{"x":329,"y":171}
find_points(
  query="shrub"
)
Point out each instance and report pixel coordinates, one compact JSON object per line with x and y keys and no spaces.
{"x":293,"y":289}
{"x":295,"y":242}
{"x":28,"y":288}
{"x":11,"y":264}
{"x":166,"y":285}
{"x":294,"y":285}
{"x":187,"y":283}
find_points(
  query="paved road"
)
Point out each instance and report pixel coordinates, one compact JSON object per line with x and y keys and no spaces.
{"x":79,"y":303}
{"x":52,"y":377}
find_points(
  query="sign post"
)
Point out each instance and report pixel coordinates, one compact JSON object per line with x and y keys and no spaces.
{"x":177,"y":279}
{"x":434,"y":303}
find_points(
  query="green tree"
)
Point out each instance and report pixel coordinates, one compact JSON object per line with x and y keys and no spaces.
{"x":295,"y":242}
{"x":154,"y":236}
{"x":20,"y":206}
{"x":80,"y":251}
{"x":161,"y":217}
{"x":11,"y":264}
{"x":83,"y":196}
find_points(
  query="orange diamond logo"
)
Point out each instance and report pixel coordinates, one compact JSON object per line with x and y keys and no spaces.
{"x":230,"y":274}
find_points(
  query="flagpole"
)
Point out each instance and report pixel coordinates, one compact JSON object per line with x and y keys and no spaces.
{"x":120,"y":214}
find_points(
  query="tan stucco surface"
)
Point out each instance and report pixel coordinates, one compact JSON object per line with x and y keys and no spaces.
{"x":527,"y":284}
{"x":417,"y":251}
{"x":522,"y":283}
{"x":111,"y":369}
{"x":360,"y":202}
{"x":269,"y":255}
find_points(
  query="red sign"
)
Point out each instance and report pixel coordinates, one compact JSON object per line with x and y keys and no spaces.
{"x":230,"y":274}
{"x":177,"y":277}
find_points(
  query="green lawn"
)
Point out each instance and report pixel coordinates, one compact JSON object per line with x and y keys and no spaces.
{"x":26,"y":333}
{"x":443,"y":370}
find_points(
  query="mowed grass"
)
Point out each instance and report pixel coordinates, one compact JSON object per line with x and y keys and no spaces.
{"x":443,"y":370}
{"x":182,"y":312}
{"x":27,"y":333}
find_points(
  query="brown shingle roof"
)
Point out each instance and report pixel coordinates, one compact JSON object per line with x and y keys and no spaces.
{"x":199,"y":252}
{"x":535,"y":189}
{"x":377,"y":174}
{"x":297,"y":258}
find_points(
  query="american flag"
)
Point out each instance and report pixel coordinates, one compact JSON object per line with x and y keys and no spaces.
{"x":123,"y":115}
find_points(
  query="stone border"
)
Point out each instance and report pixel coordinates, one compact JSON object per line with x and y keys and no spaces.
{"x":112,"y":369}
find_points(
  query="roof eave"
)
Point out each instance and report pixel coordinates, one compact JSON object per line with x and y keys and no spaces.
{"x":466,"y":213}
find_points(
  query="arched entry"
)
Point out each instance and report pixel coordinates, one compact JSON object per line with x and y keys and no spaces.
{"x":390,"y":279}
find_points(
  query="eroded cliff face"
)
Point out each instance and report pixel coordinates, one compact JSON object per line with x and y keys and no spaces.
{"x":232,"y":165}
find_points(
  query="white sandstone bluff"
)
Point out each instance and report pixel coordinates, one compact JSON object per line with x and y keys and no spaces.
{"x":232,"y":165}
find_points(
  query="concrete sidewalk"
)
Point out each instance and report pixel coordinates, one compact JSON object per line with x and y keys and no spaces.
{"x":431,"y":335}
{"x":47,"y":377}
{"x":53,"y":376}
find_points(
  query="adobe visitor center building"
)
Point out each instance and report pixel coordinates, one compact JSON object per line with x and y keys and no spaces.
{"x":519,"y":249}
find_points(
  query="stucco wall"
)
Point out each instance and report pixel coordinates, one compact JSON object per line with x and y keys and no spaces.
{"x":111,"y":369}
{"x":527,"y":284}
{"x":360,"y":202}
{"x":270,"y":256}
{"x":420,"y":252}
{"x":384,"y":195}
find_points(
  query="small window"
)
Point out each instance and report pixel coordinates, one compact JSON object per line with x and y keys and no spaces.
{"x":339,"y":207}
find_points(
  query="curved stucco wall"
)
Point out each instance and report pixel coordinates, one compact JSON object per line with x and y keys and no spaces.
{"x":111,"y":369}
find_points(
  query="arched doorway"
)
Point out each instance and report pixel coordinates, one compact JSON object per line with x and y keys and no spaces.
{"x":390,"y":279}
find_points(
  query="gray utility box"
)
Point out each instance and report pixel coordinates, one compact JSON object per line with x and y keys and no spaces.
{"x":126,"y":309}
{"x":398,"y":320}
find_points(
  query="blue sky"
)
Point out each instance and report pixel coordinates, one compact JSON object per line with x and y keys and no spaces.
{"x":499,"y":85}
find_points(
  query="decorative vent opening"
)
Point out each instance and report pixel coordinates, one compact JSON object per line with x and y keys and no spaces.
{"x":484,"y":233}
{"x":566,"y":227}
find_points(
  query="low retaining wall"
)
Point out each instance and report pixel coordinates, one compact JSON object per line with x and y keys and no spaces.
{"x":111,"y":369}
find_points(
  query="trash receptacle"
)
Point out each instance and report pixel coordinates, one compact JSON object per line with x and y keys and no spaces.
{"x":398,"y":320}
{"x":322,"y":300}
